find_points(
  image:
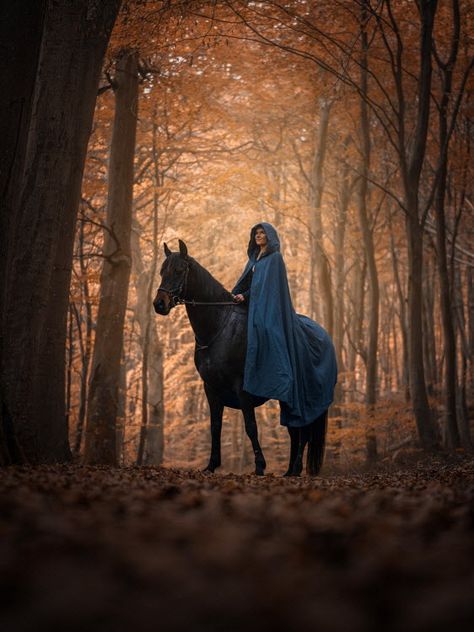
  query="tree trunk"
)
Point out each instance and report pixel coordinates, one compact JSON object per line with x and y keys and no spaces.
{"x":429,"y":338}
{"x":355,"y":326}
{"x":450,"y":369}
{"x":339,"y":237}
{"x":345,"y":189}
{"x":416,"y":370}
{"x":411,"y":165}
{"x":20,"y":22}
{"x":402,"y":313}
{"x":151,"y":441}
{"x":41,"y":231}
{"x":461,"y":395}
{"x":86,"y":345}
{"x":105,"y":373}
{"x":319,"y":261}
{"x":121,"y":413}
{"x":470,"y":330}
{"x":70,"y":361}
{"x":367,"y":236}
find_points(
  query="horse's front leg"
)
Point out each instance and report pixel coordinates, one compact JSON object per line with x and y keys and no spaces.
{"x":303,"y":437}
{"x":216,"y":408}
{"x":248,"y":411}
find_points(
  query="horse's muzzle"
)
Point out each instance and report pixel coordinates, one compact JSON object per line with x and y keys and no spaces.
{"x":162,"y":303}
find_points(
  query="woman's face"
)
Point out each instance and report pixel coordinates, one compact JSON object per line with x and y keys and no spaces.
{"x":260,"y":237}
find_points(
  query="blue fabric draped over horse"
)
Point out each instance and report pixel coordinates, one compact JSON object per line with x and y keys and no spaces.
{"x":289,"y":356}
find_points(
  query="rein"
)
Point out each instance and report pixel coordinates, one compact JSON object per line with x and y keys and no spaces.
{"x":182,"y":301}
{"x":175,"y":294}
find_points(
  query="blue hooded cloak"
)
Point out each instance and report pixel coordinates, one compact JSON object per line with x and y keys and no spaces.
{"x":289,"y":356}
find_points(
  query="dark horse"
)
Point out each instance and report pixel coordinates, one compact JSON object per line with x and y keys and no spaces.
{"x":220,"y":329}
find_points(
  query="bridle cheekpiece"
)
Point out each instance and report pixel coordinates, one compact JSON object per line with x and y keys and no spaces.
{"x":175,"y":294}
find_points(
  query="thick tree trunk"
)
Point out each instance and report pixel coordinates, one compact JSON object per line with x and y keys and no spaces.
{"x":105,"y":374}
{"x":19,"y":23}
{"x":319,"y":261}
{"x":41,"y":231}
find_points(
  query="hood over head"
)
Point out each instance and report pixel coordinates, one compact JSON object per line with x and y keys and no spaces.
{"x":273,"y":241}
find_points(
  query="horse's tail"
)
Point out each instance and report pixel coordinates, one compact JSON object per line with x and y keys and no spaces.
{"x":316,"y":444}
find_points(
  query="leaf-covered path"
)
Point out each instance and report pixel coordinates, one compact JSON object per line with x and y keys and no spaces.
{"x":161,"y":549}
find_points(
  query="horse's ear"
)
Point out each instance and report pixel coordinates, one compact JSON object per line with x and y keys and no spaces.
{"x":183,"y":249}
{"x":167,"y":250}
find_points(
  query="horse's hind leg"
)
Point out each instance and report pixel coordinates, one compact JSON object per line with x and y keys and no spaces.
{"x":217,"y":408}
{"x":252,"y":433}
{"x":302,"y":439}
{"x":294,"y":440}
{"x":317,"y":442}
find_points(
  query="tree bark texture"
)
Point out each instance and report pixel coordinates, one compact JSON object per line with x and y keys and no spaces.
{"x":345,"y":189}
{"x":319,"y":264}
{"x":18,"y":66}
{"x":416,"y":370}
{"x":84,"y":329}
{"x":447,"y":316}
{"x":470,"y":328}
{"x":105,"y":373}
{"x":20,"y":22}
{"x":402,"y":314}
{"x":411,"y":167}
{"x":344,"y":196}
{"x":41,"y":231}
{"x":355,"y":326}
{"x":151,"y":440}
{"x":367,"y":236}
{"x":429,"y":327}
{"x":462,"y":412}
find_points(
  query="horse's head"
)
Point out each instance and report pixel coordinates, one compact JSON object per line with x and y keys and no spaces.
{"x":174,"y":273}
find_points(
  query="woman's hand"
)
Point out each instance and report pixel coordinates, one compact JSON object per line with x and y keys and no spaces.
{"x":238,"y":298}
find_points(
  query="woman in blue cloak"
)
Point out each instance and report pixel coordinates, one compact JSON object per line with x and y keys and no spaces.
{"x":289,"y":357}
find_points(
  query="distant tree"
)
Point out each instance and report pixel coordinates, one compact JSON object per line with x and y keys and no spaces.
{"x":100,"y":447}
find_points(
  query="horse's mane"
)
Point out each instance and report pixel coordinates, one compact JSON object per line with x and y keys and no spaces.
{"x":205,"y":279}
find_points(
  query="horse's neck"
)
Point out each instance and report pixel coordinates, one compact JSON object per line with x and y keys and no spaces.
{"x":206,"y":320}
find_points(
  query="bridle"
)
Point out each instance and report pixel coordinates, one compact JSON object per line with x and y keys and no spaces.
{"x":175,"y":294}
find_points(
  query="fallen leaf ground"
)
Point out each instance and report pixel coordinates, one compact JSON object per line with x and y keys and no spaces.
{"x":85,"y":549}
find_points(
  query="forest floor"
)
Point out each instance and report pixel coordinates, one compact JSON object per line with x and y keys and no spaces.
{"x":85,"y":549}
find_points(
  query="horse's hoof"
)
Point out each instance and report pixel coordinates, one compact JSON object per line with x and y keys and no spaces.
{"x":208,"y":470}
